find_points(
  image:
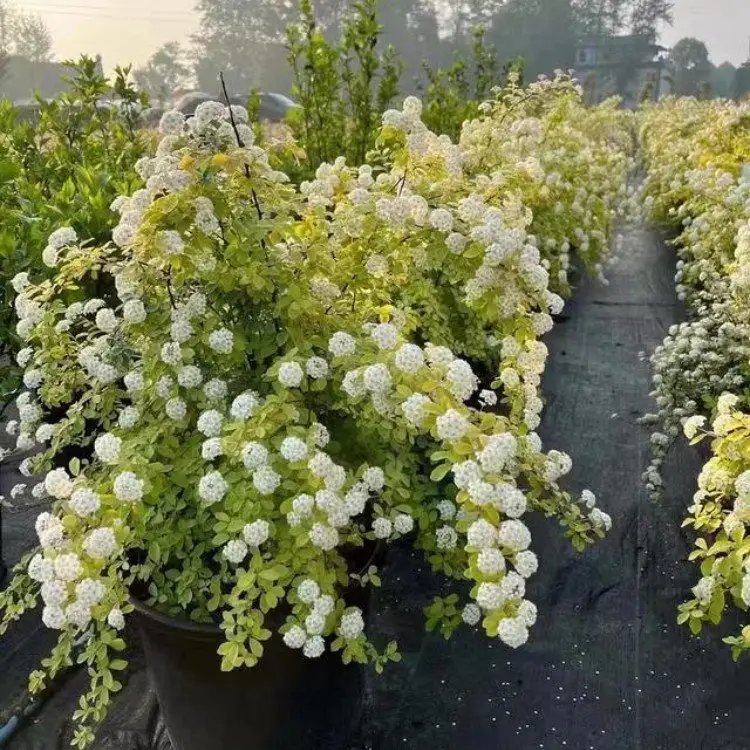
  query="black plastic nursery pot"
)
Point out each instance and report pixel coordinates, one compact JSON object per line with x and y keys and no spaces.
{"x":285,"y":702}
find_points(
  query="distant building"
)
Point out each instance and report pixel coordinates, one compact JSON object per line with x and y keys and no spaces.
{"x":633,"y":67}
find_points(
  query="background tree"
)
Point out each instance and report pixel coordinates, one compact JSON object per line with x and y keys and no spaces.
{"x":543,"y":32}
{"x":646,"y":15}
{"x":166,"y":72}
{"x":30,"y":37}
{"x":245,"y":40}
{"x":600,"y":17}
{"x":690,"y":65}
{"x":723,"y":79}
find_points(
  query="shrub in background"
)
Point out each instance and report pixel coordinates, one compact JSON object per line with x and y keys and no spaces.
{"x":64,"y":166}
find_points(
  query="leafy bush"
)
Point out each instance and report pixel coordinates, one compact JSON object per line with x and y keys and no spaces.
{"x":64,"y":166}
{"x":272,"y":388}
{"x":342,"y":89}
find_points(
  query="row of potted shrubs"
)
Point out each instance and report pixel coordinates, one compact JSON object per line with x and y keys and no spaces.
{"x":696,"y":156}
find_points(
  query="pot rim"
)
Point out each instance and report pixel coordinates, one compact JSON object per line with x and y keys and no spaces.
{"x":212,"y":629}
{"x":179,"y":623}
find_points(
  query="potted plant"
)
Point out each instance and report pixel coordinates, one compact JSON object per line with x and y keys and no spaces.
{"x":261,"y":397}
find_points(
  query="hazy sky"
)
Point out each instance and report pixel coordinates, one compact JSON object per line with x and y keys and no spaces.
{"x":130,"y":30}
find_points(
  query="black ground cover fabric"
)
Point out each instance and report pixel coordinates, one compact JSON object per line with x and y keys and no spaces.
{"x":607,"y":668}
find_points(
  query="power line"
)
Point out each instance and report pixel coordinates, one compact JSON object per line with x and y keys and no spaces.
{"x":108,"y":12}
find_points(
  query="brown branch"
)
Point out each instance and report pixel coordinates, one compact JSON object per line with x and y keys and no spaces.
{"x":240,"y":142}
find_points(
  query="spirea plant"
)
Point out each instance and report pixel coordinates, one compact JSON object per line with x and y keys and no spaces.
{"x":694,"y":154}
{"x":274,"y":389}
{"x":65,"y":164}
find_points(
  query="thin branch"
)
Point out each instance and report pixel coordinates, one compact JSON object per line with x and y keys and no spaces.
{"x":169,"y":288}
{"x":237,"y":135}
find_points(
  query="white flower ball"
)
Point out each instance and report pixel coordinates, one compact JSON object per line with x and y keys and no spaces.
{"x":341,"y":344}
{"x":490,"y":561}
{"x":244,"y":406}
{"x":53,"y":618}
{"x":210,"y":422}
{"x":451,"y":426}
{"x":128,"y":418}
{"x":50,"y":256}
{"x":490,"y":596}
{"x":293,"y":449}
{"x":90,"y":592}
{"x":211,"y":449}
{"x":254,"y":455}
{"x":235,"y":551}
{"x":133,"y":311}
{"x":84,"y":502}
{"x":78,"y":614}
{"x":106,"y":320}
{"x":176,"y":409}
{"x":374,"y":478}
{"x":115,"y":619}
{"x":512,"y":631}
{"x":323,"y":536}
{"x":189,"y":376}
{"x":41,"y":569}
{"x":513,"y":586}
{"x":128,"y":487}
{"x":295,"y":637}
{"x":377,"y":378}
{"x":409,"y":358}
{"x":314,"y":647}
{"x":514,"y":535}
{"x":315,"y":623}
{"x":403,"y":523}
{"x":266,"y":480}
{"x":414,"y":408}
{"x":54,"y":593}
{"x":316,"y":368}
{"x":308,"y":591}
{"x":526,"y":563}
{"x":471,"y":614}
{"x":221,"y":341}
{"x":384,"y":335}
{"x":527,"y":612}
{"x":382,"y":527}
{"x":68,"y":567}
{"x":291,"y":374}
{"x":107,"y":448}
{"x":352,"y":624}
{"x":215,"y":389}
{"x":100,"y":543}
{"x":481,"y":534}
{"x":171,"y":353}
{"x":446,"y":537}
{"x":58,"y":484}
{"x":212,"y":487}
{"x":256,"y":533}
{"x":133,"y":382}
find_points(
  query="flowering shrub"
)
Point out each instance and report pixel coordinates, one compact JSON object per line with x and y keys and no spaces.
{"x":279,"y":385}
{"x":66,"y":166}
{"x":694,"y":153}
{"x":568,"y":163}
